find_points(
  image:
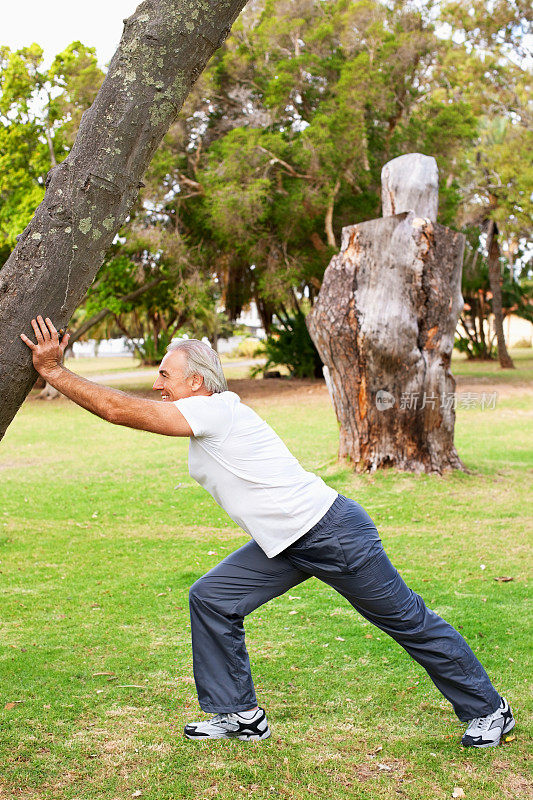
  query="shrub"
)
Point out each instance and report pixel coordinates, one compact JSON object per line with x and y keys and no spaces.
{"x":151,"y":350}
{"x":290,"y":345}
{"x":473,"y":349}
{"x":246,"y":349}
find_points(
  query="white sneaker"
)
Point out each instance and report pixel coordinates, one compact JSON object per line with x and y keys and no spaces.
{"x":487,"y":731}
{"x":230,"y":726}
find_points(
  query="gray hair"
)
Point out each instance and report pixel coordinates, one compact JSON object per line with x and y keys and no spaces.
{"x":201,"y":359}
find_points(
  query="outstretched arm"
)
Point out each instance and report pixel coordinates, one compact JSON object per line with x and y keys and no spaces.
{"x":109,"y":404}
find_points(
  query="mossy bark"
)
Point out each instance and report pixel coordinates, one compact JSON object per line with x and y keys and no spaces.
{"x":164,"y":47}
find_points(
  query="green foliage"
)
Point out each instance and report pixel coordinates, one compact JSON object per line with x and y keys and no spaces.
{"x":116,"y":277}
{"x":290,"y":126}
{"x":171,"y":293}
{"x":237,"y":193}
{"x":39,"y":114}
{"x":474,"y":349}
{"x":293,"y":120}
{"x":76,"y":75}
{"x":281,"y":143}
{"x":290,"y":345}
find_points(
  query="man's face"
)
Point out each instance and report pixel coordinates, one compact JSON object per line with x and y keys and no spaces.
{"x":171,"y":380}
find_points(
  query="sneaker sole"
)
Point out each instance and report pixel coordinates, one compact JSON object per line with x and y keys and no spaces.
{"x":243,"y":738}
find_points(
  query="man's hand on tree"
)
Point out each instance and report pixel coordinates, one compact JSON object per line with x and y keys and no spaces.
{"x":48,"y":352}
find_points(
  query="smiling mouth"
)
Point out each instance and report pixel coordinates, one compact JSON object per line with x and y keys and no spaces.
{"x":165,"y":397}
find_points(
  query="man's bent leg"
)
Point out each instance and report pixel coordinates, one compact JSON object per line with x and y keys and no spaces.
{"x":219,"y":601}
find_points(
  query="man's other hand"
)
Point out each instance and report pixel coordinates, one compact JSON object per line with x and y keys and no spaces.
{"x":48,"y":352}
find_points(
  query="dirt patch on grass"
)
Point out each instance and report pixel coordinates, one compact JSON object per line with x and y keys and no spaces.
{"x":302,"y":390}
{"x":283,"y":388}
{"x":393,"y":768}
{"x":503,"y":390}
{"x":513,"y":785}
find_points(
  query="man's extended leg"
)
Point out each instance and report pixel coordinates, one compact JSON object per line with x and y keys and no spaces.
{"x":346,"y":552}
{"x":430,"y":640}
{"x":219,"y":601}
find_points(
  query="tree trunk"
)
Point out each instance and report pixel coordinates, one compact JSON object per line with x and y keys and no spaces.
{"x":266,"y":311}
{"x":164,"y":47}
{"x":493,"y":256}
{"x":328,"y":225}
{"x":384,"y":325}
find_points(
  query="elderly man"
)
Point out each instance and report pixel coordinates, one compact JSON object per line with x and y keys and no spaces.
{"x":298,"y":526}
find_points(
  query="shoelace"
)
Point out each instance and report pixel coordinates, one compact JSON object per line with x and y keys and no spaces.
{"x":482,"y":723}
{"x":220,"y":718}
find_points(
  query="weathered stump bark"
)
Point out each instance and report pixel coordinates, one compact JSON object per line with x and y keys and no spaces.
{"x":384,"y":325}
{"x":164,"y":47}
{"x":410,"y":183}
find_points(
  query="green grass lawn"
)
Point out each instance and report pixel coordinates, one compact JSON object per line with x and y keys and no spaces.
{"x":102,"y":531}
{"x":491,"y":371}
{"x":104,"y":364}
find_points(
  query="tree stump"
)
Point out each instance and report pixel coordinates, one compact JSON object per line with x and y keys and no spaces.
{"x":384,"y":325}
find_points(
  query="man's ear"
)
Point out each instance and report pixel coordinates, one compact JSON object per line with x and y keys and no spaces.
{"x":196,"y":382}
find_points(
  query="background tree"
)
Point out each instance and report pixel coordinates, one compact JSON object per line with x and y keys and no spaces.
{"x":282,"y":142}
{"x":474,"y":336}
{"x":152,"y":291}
{"x":40,"y":111}
{"x":486,"y":66}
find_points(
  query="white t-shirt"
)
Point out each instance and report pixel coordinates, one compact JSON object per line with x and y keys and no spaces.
{"x":245,"y":466}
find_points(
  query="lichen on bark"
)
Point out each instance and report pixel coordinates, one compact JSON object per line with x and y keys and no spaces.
{"x":89,"y":195}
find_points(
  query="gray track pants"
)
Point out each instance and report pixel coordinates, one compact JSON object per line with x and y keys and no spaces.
{"x":344,"y":550}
